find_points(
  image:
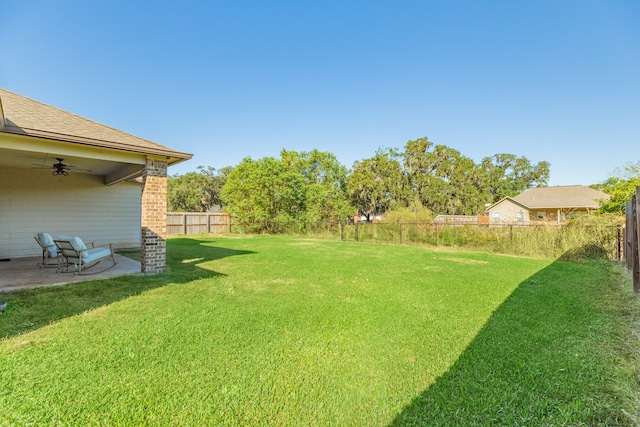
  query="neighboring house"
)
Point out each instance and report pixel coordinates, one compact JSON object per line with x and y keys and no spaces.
{"x":116,"y":192}
{"x":546,"y":204}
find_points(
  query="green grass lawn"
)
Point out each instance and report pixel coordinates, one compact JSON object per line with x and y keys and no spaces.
{"x":290,"y":331}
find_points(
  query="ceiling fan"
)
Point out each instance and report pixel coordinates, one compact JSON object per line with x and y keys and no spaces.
{"x":62,"y":169}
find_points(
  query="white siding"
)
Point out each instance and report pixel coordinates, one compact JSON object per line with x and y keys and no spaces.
{"x":77,"y":205}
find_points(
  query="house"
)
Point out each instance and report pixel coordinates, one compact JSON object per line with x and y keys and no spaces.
{"x":546,"y":204}
{"x":64,"y":174}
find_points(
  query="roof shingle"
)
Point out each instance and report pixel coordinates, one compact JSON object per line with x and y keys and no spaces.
{"x":566,"y":196}
{"x":25,"y":116}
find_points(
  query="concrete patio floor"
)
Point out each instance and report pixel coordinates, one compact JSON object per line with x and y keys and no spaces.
{"x":24,"y":273}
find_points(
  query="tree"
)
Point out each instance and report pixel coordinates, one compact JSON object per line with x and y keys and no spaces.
{"x":376,"y":184}
{"x":261,"y":193}
{"x":420,"y":163}
{"x":466,"y":190}
{"x":196,"y":191}
{"x":442,"y":179}
{"x":620,"y":187}
{"x":325,"y":184}
{"x":300,"y":187}
{"x":509,"y":175}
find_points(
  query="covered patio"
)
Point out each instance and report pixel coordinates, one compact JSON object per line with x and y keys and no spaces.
{"x":66,"y":175}
{"x":25,"y":273}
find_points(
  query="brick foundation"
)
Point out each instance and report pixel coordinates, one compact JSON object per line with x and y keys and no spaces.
{"x":153,"y":258}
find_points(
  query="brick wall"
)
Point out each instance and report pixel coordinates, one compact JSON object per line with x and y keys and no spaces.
{"x":153,"y":257}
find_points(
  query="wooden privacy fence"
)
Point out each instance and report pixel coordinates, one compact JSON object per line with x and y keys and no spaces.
{"x":197,"y":223}
{"x":632,"y":239}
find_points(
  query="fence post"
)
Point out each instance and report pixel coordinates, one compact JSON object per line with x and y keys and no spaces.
{"x":400,"y":225}
{"x":342,"y":231}
{"x":619,"y":246}
{"x":635,"y":242}
{"x":184,"y":223}
{"x":628,"y":235}
{"x":356,"y":231}
{"x":437,"y":233}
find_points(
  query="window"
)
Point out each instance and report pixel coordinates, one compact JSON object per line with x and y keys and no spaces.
{"x":520,"y":216}
{"x":495,"y":217}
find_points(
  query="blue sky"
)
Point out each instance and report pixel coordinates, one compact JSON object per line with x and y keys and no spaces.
{"x":549,"y":80}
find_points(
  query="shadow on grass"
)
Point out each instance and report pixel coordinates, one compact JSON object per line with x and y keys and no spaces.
{"x":537,"y":361}
{"x":585,"y":252}
{"x":30,"y":309}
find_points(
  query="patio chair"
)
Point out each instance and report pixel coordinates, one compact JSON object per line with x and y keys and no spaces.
{"x":74,"y":251}
{"x":50,"y":254}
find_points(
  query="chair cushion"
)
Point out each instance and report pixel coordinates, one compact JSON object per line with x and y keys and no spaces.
{"x":77,"y":244}
{"x":95,"y":254}
{"x":46,"y":240}
{"x":91,"y":255}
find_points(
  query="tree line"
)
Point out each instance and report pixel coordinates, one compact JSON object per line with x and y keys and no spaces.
{"x":313,"y":186}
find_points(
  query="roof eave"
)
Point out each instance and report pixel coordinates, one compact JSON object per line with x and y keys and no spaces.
{"x":512,"y":200}
{"x":565,"y":207}
{"x":173,"y":155}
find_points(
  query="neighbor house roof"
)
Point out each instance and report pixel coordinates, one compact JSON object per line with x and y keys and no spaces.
{"x":510,"y":199}
{"x":23,"y":116}
{"x":566,"y":196}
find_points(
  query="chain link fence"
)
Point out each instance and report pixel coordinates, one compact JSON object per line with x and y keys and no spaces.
{"x":571,"y":241}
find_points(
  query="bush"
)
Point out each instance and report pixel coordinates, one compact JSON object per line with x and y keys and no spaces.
{"x":411,"y":215}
